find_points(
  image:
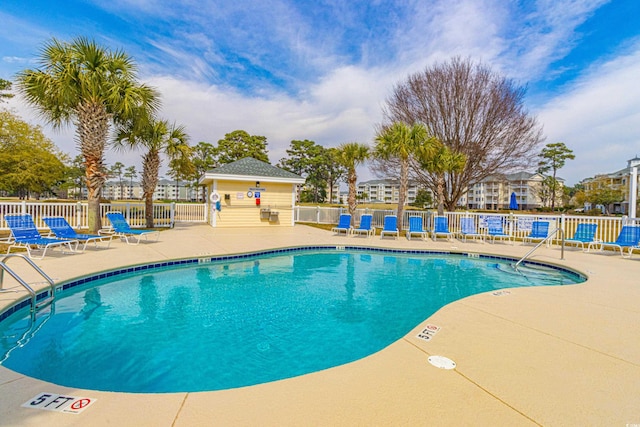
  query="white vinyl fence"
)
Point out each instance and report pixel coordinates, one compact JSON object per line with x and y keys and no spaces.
{"x":168,"y":214}
{"x":164,"y":214}
{"x":519,"y":225}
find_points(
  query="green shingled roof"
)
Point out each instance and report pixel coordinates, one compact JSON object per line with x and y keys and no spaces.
{"x":252,"y":167}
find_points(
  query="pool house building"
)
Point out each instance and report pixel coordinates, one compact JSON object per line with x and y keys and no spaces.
{"x":251,"y":193}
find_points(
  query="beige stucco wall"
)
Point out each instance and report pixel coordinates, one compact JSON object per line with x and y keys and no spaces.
{"x":239,"y":210}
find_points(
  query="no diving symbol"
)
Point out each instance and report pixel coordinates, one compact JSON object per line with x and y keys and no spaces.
{"x":79,"y":404}
{"x":59,"y":403}
{"x":428,"y":332}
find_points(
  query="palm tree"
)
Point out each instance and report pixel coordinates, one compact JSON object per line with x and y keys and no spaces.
{"x":5,"y":87}
{"x":131,"y":173}
{"x":438,"y":159}
{"x":92,"y":87}
{"x":401,"y":141}
{"x":116,"y":170}
{"x":351,"y":155}
{"x":156,"y":136}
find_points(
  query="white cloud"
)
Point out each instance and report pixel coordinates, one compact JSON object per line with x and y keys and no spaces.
{"x":332,"y":95}
{"x":16,"y":60}
{"x":598,"y":117}
{"x":344,"y":106}
{"x":546,"y":32}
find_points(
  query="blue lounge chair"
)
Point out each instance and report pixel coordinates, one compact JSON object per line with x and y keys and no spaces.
{"x":539,"y":231}
{"x":344,"y":224}
{"x":63,"y":230}
{"x":365,"y":226}
{"x":495,"y":230}
{"x":441,"y":228}
{"x":390,"y":226}
{"x":628,"y":238}
{"x":585,"y":235}
{"x":468,"y":230}
{"x":415,"y":227}
{"x":122,"y":229}
{"x":25,"y":234}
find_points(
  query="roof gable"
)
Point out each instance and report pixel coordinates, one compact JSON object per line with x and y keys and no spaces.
{"x":250,"y":168}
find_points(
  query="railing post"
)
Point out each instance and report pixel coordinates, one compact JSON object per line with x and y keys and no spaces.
{"x":172,"y":213}
{"x":23,"y":207}
{"x":78,"y":214}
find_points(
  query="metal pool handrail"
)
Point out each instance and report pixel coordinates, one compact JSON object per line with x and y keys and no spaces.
{"x":540,"y":244}
{"x":52,"y":290}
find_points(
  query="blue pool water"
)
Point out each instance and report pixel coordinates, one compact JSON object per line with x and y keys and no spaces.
{"x":233,"y":323}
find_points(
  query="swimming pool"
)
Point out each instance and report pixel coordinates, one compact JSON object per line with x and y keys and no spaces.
{"x":220,"y":323}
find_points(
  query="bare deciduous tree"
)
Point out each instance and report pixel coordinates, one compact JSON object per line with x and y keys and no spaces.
{"x":473,"y":111}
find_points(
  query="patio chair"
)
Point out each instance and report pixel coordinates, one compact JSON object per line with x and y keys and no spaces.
{"x":539,"y":231}
{"x":584,"y":235}
{"x":122,"y":229}
{"x":495,"y":230}
{"x":25,"y":234}
{"x":365,"y":226}
{"x":63,"y":230}
{"x":441,"y":228}
{"x":344,"y":224}
{"x":415,"y":227}
{"x":468,"y":230}
{"x":629,"y":238}
{"x":390,"y":226}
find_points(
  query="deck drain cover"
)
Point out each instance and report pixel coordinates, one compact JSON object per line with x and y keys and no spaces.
{"x":442,"y":362}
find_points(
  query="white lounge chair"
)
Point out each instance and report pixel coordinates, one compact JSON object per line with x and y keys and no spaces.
{"x":344,"y":224}
{"x":25,"y":234}
{"x":122,"y":229}
{"x":468,"y":230}
{"x":365,"y":226}
{"x":390,"y":226}
{"x":415,"y":227}
{"x":63,"y":230}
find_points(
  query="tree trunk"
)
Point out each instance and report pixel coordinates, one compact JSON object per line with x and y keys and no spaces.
{"x":150,"y":170}
{"x":330,"y":182}
{"x":553,"y":191}
{"x":93,"y":207}
{"x":352,"y":193}
{"x":404,"y":180}
{"x":92,"y":134}
{"x":148,"y":210}
{"x":440,"y":195}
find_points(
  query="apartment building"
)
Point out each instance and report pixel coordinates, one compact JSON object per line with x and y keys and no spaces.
{"x":385,"y":191}
{"x":112,"y":190}
{"x":494,"y":192}
{"x":165,"y":190}
{"x":618,"y":180}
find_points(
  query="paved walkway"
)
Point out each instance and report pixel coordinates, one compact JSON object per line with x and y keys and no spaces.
{"x":537,"y":356}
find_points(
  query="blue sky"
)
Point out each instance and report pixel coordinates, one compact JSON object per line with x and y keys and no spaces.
{"x":321,"y":70}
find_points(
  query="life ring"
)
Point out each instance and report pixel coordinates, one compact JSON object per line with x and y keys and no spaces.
{"x":214,"y":197}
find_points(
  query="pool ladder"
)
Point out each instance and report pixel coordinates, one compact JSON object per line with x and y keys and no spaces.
{"x":32,"y":329}
{"x":35,"y":305}
{"x":553,"y":233}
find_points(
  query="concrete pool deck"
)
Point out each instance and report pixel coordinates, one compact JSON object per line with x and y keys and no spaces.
{"x":562,"y":355}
